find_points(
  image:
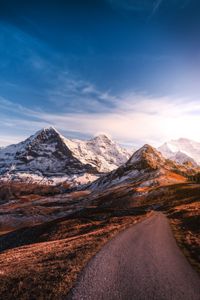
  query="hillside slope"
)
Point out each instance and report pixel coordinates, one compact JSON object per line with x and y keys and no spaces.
{"x":146,"y":167}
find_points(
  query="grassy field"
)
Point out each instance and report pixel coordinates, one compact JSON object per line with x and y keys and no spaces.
{"x":185,"y":222}
{"x":44,"y":260}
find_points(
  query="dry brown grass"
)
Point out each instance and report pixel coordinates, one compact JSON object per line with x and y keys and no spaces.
{"x":185,"y":222}
{"x":18,"y":190}
{"x":45,"y":261}
{"x":29,"y":210}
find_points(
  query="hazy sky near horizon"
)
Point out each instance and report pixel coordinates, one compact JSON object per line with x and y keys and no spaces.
{"x":129,"y":68}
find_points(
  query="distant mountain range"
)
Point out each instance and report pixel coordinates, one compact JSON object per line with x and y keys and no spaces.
{"x":47,"y":153}
{"x":146,"y":168}
{"x":181,"y":151}
{"x":49,"y":157}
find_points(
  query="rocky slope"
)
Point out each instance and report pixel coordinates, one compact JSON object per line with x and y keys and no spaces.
{"x":146,"y":167}
{"x":181,"y":150}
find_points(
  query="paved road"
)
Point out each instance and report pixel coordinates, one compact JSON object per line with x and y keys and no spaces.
{"x":141,"y":263}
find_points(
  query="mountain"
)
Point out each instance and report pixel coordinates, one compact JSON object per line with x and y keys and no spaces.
{"x":44,"y":152}
{"x":181,"y":150}
{"x":100,"y":152}
{"x":182,"y":158}
{"x":146,"y":167}
{"x":47,"y":153}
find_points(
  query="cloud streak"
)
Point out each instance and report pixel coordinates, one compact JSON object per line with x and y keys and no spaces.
{"x":137,"y":5}
{"x":136,"y":120}
{"x":156,"y":7}
{"x":73,"y":94}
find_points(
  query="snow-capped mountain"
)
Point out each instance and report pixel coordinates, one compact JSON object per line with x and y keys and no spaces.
{"x":182,"y":158}
{"x":100,"y":152}
{"x":146,"y":167}
{"x":181,"y":150}
{"x":48,"y":153}
{"x":44,"y":152}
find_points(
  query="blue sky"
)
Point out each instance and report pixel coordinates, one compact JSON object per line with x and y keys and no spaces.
{"x":129,"y":68}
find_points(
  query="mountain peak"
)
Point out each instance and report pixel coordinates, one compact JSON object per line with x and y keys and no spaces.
{"x":182,"y":139}
{"x":45,"y":133}
{"x":49,"y":129}
{"x":102,"y":138}
{"x":146,"y":149}
{"x":186,"y":146}
{"x":148,"y":156}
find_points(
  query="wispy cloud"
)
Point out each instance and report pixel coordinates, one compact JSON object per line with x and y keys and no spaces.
{"x":137,"y":5}
{"x":149,"y":120}
{"x":74,"y":94}
{"x":138,"y":119}
{"x":133,"y":5}
{"x":156,"y":6}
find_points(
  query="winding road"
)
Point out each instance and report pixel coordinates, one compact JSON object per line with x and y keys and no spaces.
{"x":141,"y":263}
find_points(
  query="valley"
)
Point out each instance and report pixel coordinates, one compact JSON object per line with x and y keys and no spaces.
{"x":50,"y":232}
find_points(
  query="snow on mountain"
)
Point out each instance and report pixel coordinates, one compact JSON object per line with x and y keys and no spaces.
{"x":44,"y":152}
{"x":100,"y":152}
{"x":181,"y":150}
{"x":49,"y":154}
{"x":36,"y":177}
{"x":146,"y":167}
{"x":148,"y":155}
{"x":183,"y":158}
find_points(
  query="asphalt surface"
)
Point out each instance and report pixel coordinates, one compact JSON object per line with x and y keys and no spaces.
{"x":143,"y":262}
